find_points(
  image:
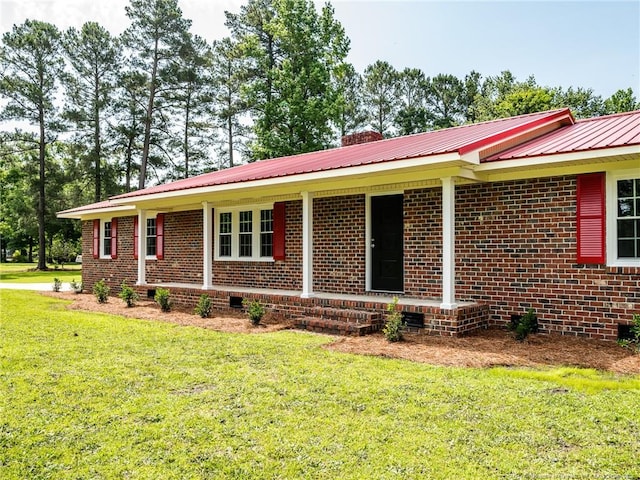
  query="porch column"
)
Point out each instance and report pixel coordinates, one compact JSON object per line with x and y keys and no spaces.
{"x":448,"y":243}
{"x":142,"y":247}
{"x":207,"y":244}
{"x":307,"y":244}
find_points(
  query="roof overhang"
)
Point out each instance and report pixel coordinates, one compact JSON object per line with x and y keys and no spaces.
{"x":107,"y":211}
{"x":362,"y":176}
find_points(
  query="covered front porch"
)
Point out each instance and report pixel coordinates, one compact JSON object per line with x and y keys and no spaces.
{"x":335,"y":313}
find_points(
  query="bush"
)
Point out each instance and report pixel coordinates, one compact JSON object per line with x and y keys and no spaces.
{"x":634,"y":342}
{"x":162,"y":298}
{"x":394,"y":326}
{"x":204,"y":306}
{"x":57,"y":284}
{"x":101,"y":291}
{"x":128,"y":294}
{"x":75,"y":286}
{"x":255,"y":310}
{"x":523,"y":325}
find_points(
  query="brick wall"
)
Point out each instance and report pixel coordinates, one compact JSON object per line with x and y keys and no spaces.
{"x":338,"y":244}
{"x":515,"y":249}
{"x":182,"y":262}
{"x":113,"y":271}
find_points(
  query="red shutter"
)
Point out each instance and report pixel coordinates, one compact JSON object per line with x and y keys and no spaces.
{"x":591,"y":218}
{"x":160,"y":236}
{"x":114,"y":238}
{"x":279,"y":230}
{"x":96,"y":239}
{"x":135,"y":237}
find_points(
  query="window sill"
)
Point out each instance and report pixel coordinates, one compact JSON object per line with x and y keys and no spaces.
{"x":244,"y":259}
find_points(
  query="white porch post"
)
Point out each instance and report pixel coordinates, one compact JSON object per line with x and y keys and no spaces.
{"x":142,"y":247}
{"x":207,"y":244}
{"x":448,"y":243}
{"x":307,"y":245}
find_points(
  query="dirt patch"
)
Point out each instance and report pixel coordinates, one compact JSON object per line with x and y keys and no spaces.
{"x":484,"y":348}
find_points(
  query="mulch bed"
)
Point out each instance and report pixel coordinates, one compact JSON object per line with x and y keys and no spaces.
{"x":484,"y":348}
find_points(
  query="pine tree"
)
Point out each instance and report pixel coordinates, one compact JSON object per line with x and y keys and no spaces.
{"x":32,"y":66}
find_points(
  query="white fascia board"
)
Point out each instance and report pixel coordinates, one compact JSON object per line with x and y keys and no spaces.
{"x":540,"y":161}
{"x":118,"y":210}
{"x":368,"y":169}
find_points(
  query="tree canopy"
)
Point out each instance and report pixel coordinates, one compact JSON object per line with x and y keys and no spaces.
{"x":99,"y":114}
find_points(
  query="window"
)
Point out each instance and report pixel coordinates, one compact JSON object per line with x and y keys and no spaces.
{"x":224,"y":238}
{"x":245,"y":234}
{"x":266,"y":233}
{"x":623,"y":218}
{"x":151,"y":237}
{"x":154,"y":245}
{"x":628,"y":218}
{"x":106,"y":239}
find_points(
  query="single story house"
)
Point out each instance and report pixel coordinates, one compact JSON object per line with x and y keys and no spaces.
{"x":467,"y":226}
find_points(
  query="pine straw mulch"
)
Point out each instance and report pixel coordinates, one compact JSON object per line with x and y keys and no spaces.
{"x":484,"y":348}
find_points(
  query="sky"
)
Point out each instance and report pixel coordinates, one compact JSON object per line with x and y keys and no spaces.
{"x":589,"y":44}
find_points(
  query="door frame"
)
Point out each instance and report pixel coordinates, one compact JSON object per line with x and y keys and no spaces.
{"x":368,"y":226}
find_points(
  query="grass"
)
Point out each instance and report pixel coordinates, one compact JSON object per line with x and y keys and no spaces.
{"x":88,"y":395}
{"x":25,"y":273}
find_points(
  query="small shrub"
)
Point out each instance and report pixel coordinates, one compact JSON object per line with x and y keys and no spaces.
{"x":162,"y":299}
{"x":76,"y":286}
{"x":57,"y":284}
{"x":255,"y":310}
{"x":101,"y":291}
{"x":634,"y":342}
{"x":524,"y":325}
{"x":394,"y":326}
{"x":204,"y":306}
{"x":128,"y":294}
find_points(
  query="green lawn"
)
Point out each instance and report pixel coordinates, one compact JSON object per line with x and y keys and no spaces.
{"x":24,"y":273}
{"x":87,"y":395}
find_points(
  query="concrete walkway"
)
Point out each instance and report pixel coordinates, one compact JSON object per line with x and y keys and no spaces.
{"x":39,"y":287}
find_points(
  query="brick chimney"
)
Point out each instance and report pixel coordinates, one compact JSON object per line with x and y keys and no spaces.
{"x":361,"y":137}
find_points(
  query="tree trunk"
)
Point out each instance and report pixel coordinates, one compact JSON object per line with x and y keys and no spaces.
{"x":42,"y":259}
{"x":30,"y":254}
{"x":97,"y":148}
{"x":185,"y":140}
{"x":147,"y":120}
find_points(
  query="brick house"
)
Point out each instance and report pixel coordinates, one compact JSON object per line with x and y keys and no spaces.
{"x":466,"y":225}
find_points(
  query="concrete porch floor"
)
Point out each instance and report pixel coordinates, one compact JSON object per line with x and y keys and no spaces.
{"x":377,"y":297}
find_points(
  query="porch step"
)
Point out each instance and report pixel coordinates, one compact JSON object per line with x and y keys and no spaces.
{"x":345,"y":315}
{"x":335,"y":327}
{"x":339,"y":321}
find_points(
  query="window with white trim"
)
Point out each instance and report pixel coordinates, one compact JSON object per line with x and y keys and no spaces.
{"x":266,"y":233}
{"x":623,"y":218}
{"x":151,"y":237}
{"x":244,"y":234}
{"x":628,"y":218}
{"x":225,"y":234}
{"x":106,"y":239}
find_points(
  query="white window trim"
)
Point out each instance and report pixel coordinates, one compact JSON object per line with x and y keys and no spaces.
{"x":103,"y":222}
{"x":612,"y":217}
{"x":146,"y":238}
{"x":235,"y":233}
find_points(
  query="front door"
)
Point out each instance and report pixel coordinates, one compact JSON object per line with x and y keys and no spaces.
{"x":387,"y":227}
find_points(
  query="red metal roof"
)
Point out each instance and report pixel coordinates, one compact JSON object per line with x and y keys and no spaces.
{"x":451,"y":140}
{"x":609,"y":131}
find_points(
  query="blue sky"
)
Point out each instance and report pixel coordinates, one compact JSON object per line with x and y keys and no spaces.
{"x":576,"y":43}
